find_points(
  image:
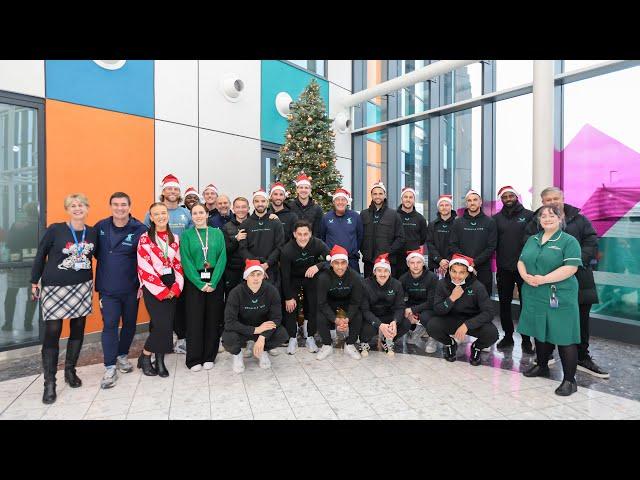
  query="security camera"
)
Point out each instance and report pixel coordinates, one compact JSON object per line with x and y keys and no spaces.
{"x":342,"y":122}
{"x":283,"y":103}
{"x":232,"y":87}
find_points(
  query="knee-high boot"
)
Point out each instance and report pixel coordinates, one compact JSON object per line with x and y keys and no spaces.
{"x":49,"y":369}
{"x":73,"y":352}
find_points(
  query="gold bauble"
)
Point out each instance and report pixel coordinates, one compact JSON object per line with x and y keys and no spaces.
{"x":309,"y":119}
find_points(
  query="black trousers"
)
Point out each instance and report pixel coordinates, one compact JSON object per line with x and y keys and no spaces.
{"x":310,"y":306}
{"x":204,"y":311}
{"x":231,"y":279}
{"x":568,"y":357}
{"x":326,"y":324}
{"x":233,"y":341}
{"x":485,"y":277}
{"x":10,"y":307}
{"x":368,"y":331}
{"x":506,"y":280}
{"x":441,"y":327}
{"x":179,"y":320}
{"x":162,"y":313}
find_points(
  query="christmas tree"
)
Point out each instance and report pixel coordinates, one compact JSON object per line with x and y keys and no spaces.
{"x":309,"y":148}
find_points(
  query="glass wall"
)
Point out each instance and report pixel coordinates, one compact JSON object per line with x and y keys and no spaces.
{"x":315,"y":66}
{"x":415,"y":168}
{"x":511,"y":73}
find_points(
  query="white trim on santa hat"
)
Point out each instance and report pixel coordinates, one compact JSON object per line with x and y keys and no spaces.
{"x":408,"y":189}
{"x":378,"y":185}
{"x":461,"y":261}
{"x":259,"y":193}
{"x":211,"y":186}
{"x":171,"y":183}
{"x":277,"y":186}
{"x":507,"y":188}
{"x":304,"y":181}
{"x":252,"y":268}
{"x":416,"y":255}
{"x":472,"y":192}
{"x":341,"y":254}
{"x":342,"y":193}
{"x":444,"y":198}
{"x":383,"y":263}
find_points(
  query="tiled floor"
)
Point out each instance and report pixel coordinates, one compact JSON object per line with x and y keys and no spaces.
{"x":300,"y":387}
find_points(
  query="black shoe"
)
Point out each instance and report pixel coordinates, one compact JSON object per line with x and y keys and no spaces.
{"x":475,"y":355}
{"x":527,"y":348}
{"x":506,"y":342}
{"x":161,"y":368}
{"x":566,"y":388}
{"x":7,"y":327}
{"x":73,"y":352}
{"x":28,"y":327}
{"x":449,"y":352}
{"x":589,"y":366}
{"x":49,"y":368}
{"x":144,"y":363}
{"x":537,"y":371}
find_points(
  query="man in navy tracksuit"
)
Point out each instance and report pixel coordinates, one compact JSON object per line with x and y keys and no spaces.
{"x":343,"y":227}
{"x":117,"y":283}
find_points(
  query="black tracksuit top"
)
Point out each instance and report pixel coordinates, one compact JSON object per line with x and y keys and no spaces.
{"x":246,"y":310}
{"x":474,"y":305}
{"x":264,"y":239}
{"x":295,"y":260}
{"x":344,"y":292}
{"x":235,"y":261}
{"x":420,"y":291}
{"x":511,"y":224}
{"x":415,"y":229}
{"x":383,"y":233}
{"x":382,"y":301}
{"x":438,"y":237}
{"x":475,"y":237}
{"x":311,"y":212}
{"x":288,"y":218}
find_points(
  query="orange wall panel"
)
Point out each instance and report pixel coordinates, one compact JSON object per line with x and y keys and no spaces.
{"x":97,"y":152}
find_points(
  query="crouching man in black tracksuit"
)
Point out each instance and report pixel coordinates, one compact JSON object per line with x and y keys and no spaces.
{"x":462,"y":306}
{"x":300,"y":261}
{"x":382,"y":307}
{"x":339,"y":299}
{"x":253,"y":313}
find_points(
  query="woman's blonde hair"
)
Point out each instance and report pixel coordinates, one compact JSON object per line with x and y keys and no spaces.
{"x":81,"y":197}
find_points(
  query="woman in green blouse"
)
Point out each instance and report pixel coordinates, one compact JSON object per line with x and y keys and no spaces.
{"x":204,"y":256}
{"x":550,"y":314}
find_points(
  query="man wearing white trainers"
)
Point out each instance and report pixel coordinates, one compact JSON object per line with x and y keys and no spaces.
{"x":339,"y":299}
{"x":419,"y":285}
{"x":383,"y":307}
{"x":253,"y":313}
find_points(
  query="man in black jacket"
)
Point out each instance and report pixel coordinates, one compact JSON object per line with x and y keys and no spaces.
{"x":578,"y":226}
{"x":304,"y":206}
{"x":438,"y":236}
{"x":234,"y":231}
{"x":474,"y":235}
{"x":286,"y":216}
{"x":510,"y":222}
{"x":414,"y":225}
{"x":383,"y":231}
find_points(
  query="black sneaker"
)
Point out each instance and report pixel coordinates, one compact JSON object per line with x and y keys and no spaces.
{"x":506,"y":342}
{"x":566,"y":388}
{"x":475,"y":355}
{"x":537,"y":371}
{"x":589,"y":366}
{"x":449,"y":352}
{"x":527,"y":348}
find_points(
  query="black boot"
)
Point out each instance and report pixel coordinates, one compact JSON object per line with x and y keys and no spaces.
{"x":537,"y":371}
{"x":73,"y":352}
{"x":144,"y":363}
{"x":527,"y":348}
{"x":161,"y":368}
{"x":449,"y":351}
{"x":475,"y":355}
{"x":49,"y":369}
{"x":566,"y":388}
{"x":506,"y":342}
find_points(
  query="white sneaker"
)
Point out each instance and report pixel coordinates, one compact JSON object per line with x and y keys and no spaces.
{"x":123,"y":364}
{"x":264,"y":360}
{"x":334,"y":335}
{"x":364,"y":349}
{"x":274,"y":352}
{"x":293,"y":345}
{"x":352,"y":352}
{"x":109,"y":378}
{"x":208,"y":365}
{"x":324,"y":352}
{"x":414,"y":335}
{"x":432,"y":345}
{"x":180,"y":347}
{"x":220,"y":347}
{"x":311,"y":345}
{"x":388,"y":346}
{"x":196,"y":368}
{"x":247,"y":352}
{"x":238,"y":363}
{"x":304,"y":328}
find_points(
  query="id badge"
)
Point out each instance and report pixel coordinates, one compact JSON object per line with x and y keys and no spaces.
{"x":166,"y":271}
{"x":553,"y":301}
{"x":78,"y":266}
{"x":205,"y":275}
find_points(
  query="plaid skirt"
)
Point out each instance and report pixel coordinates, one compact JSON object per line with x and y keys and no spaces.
{"x":70,"y":301}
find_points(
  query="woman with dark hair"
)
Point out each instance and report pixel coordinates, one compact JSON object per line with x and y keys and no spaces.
{"x":162,"y":280}
{"x":548,"y":263}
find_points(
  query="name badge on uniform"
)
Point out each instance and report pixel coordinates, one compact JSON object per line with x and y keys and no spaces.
{"x":166,"y":270}
{"x":78,"y":266}
{"x":205,"y":275}
{"x":553,"y":301}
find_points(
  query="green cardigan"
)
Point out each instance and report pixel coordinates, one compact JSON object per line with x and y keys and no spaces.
{"x":191,"y":255}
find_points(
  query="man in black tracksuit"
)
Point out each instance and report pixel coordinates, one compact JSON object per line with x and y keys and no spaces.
{"x":414,"y":225}
{"x":383,"y":231}
{"x":474,"y":235}
{"x":278,"y":206}
{"x":233,"y":232}
{"x":301,"y":260}
{"x":578,"y":226}
{"x":419,"y":292}
{"x":511,"y":222}
{"x":304,"y":206}
{"x":438,"y":236}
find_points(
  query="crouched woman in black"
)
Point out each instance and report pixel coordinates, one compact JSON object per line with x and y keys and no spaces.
{"x":462,"y":306}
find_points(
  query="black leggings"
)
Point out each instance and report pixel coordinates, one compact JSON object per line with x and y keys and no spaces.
{"x":568,"y":357}
{"x":53,"y":330}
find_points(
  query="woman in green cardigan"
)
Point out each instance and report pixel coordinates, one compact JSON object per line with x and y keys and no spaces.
{"x":204,"y":256}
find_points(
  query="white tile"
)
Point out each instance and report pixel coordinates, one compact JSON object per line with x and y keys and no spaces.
{"x":403,"y":415}
{"x":296,"y":383}
{"x":418,"y":398}
{"x":439,"y":411}
{"x":599,"y":411}
{"x":268,"y":402}
{"x":352,"y":409}
{"x":286,"y":414}
{"x":337,"y":392}
{"x":536,"y":399}
{"x":162,"y":414}
{"x":475,"y":410}
{"x":315,"y":412}
{"x":144,"y":403}
{"x":26,"y":401}
{"x":192,"y":411}
{"x":77,"y":395}
{"x":108,"y":417}
{"x":400,"y":382}
{"x":107,"y":408}
{"x":328,"y":378}
{"x":190,"y":396}
{"x":301,"y":398}
{"x":63,"y":411}
{"x":176,"y":91}
{"x":176,"y":152}
{"x":389,"y":403}
{"x":24,"y":413}
{"x":23,"y":76}
{"x":530,"y":415}
{"x":230,"y":408}
{"x":564,"y":412}
{"x":374,"y":386}
{"x":505,"y":404}
{"x":119,"y":391}
{"x":621,"y":405}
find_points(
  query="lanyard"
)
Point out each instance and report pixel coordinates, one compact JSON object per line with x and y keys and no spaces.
{"x":75,"y":238}
{"x":165,"y":248}
{"x":204,"y":246}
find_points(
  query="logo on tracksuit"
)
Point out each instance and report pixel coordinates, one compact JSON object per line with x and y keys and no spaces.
{"x":331,"y":220}
{"x":349,"y":222}
{"x":129,"y":237}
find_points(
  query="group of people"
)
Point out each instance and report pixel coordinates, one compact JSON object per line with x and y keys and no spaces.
{"x":223,"y":279}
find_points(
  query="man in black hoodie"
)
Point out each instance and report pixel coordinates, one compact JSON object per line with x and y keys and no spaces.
{"x":578,"y":226}
{"x":286,"y":216}
{"x":383,"y":231}
{"x":438,"y":236}
{"x":474,"y":235}
{"x":414,"y":225}
{"x":304,"y":206}
{"x":234,"y":231}
{"x":510,"y":222}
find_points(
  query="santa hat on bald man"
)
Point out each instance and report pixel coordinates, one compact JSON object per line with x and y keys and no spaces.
{"x":445,"y":198}
{"x":170,"y":181}
{"x":419,"y":253}
{"x":382,"y":261}
{"x":338,"y":253}
{"x":460,"y":259}
{"x":251,"y":266}
{"x":505,"y":189}
{"x":302,"y":179}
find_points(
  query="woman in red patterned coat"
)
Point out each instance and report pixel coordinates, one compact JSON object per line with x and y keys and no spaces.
{"x":161,"y":281}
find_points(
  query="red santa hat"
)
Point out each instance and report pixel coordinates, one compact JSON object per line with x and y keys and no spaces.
{"x":251,"y":266}
{"x":382,"y":261}
{"x":302,"y":179}
{"x":419,"y":253}
{"x":170,"y":181}
{"x":260,"y":193}
{"x":191,"y":191}
{"x":445,"y":198}
{"x":379,"y":184}
{"x":211,"y":187}
{"x":408,"y":189}
{"x":278,"y":186}
{"x":472,"y":192}
{"x":505,"y":189}
{"x":342,"y":193}
{"x":338,"y":253}
{"x":458,"y":258}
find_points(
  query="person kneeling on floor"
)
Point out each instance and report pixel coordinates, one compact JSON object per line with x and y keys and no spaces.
{"x":253,"y":313}
{"x":462,"y":307}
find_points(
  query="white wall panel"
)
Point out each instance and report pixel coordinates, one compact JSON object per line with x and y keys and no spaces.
{"x":340,"y":72}
{"x":344,"y":165}
{"x":218,"y":113}
{"x":177,"y":153}
{"x":176,"y":91}
{"x":343,"y":140}
{"x":230,"y":162}
{"x":22,"y":76}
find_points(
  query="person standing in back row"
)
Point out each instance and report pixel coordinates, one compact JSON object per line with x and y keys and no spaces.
{"x":280,"y":208}
{"x":414,"y":225}
{"x":438,"y":236}
{"x":342,"y":226}
{"x":304,"y":206}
